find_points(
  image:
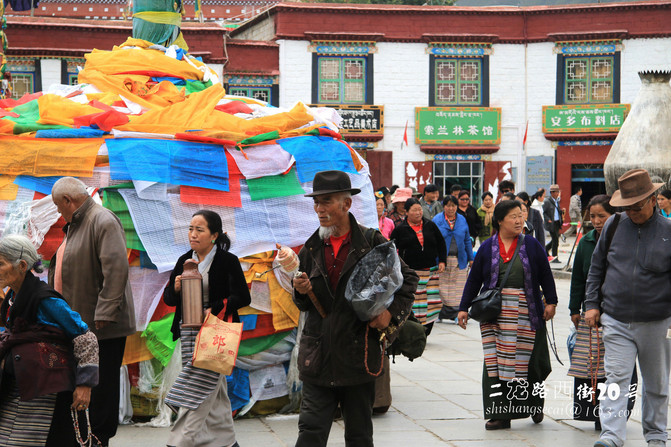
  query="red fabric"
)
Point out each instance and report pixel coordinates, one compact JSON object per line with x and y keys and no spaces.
{"x":325,"y":131}
{"x":4,"y":112}
{"x":100,"y":105}
{"x":234,"y":107}
{"x":264,"y":326}
{"x":161,"y":311}
{"x":405,"y":133}
{"x":418,"y":232}
{"x":7,"y":103}
{"x":335,"y":259}
{"x":104,"y":120}
{"x":507,"y":255}
{"x":204,"y":196}
{"x":191,"y":136}
{"x":150,"y":73}
{"x":52,"y":240}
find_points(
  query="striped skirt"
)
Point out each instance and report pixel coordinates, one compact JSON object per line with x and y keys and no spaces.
{"x":509,"y":341}
{"x":427,"y":304}
{"x":193,"y":384}
{"x":580,"y":362}
{"x":452,"y":282}
{"x":24,"y":423}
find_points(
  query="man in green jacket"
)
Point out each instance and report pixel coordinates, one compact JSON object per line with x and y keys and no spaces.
{"x":339,"y":355}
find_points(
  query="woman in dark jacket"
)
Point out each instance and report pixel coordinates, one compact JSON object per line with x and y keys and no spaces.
{"x":422,"y":247}
{"x":517,"y":360}
{"x":201,"y":395}
{"x":470,"y":213}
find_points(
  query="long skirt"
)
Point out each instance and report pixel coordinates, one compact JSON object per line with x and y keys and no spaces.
{"x":24,"y":423}
{"x":452,"y":282}
{"x":427,"y":304}
{"x":585,"y":407}
{"x":517,"y":362}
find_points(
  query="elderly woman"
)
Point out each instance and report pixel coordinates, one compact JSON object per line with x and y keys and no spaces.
{"x":454,"y":229}
{"x":397,"y":214}
{"x":385,"y":224}
{"x":204,"y":417}
{"x":40,"y":381}
{"x":422,"y":247}
{"x":587,"y":363}
{"x":516,"y":354}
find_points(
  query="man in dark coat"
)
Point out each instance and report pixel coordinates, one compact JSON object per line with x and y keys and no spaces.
{"x":552,"y":216}
{"x":339,"y":355}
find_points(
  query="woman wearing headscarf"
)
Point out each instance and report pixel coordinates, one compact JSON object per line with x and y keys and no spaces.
{"x":485,"y":213}
{"x":454,"y":229}
{"x":517,"y":360}
{"x":587,"y":363}
{"x":41,"y":384}
{"x":204,"y":417}
{"x":422,"y":247}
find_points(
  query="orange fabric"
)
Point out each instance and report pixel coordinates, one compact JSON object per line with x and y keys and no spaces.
{"x":42,"y":157}
{"x":281,"y":122}
{"x":9,"y":192}
{"x":136,"y":350}
{"x":55,"y":109}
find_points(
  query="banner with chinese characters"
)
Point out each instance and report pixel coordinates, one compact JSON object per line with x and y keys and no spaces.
{"x":359,"y":119}
{"x":457,"y":125}
{"x":584,"y":118}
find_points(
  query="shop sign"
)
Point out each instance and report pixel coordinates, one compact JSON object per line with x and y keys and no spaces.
{"x":454,"y":157}
{"x":458,"y":125}
{"x":359,"y":119}
{"x":584,"y":118}
{"x":539,"y":173}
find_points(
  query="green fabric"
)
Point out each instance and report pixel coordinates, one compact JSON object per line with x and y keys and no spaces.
{"x":275,"y":186}
{"x":274,"y":135}
{"x":154,"y":32}
{"x":516,"y":278}
{"x":113,"y":201}
{"x":158,"y":338}
{"x":522,"y":404}
{"x":253,"y":346}
{"x":29,"y":115}
{"x":196,"y":86}
{"x":486,"y":230}
{"x":581,"y":264}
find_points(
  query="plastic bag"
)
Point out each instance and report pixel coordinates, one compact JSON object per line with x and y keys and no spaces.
{"x":375,"y":279}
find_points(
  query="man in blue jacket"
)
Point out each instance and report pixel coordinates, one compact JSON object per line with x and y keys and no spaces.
{"x":629,"y":292}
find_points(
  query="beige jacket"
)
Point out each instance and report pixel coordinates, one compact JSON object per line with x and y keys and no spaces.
{"x":95,"y":271}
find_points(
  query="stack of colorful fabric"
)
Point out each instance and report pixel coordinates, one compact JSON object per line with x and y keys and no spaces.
{"x":153,"y":130}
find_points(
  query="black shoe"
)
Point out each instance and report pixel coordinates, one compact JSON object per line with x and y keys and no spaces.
{"x":597,"y":425}
{"x":381,"y":410}
{"x":556,"y":261}
{"x":497,"y":424}
{"x":538,"y":417}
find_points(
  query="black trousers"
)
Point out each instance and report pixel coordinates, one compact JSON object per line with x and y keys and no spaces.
{"x":319,"y":405}
{"x":104,"y":406}
{"x":554,"y":238}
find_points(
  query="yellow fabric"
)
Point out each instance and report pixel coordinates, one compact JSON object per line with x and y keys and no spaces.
{"x":260,"y":262}
{"x":108,"y":98}
{"x":6,"y":180}
{"x":43,"y":157}
{"x":56,"y":109}
{"x":9,"y":192}
{"x":191,"y":113}
{"x":162,"y":17}
{"x":249,"y":310}
{"x":136,"y":350}
{"x":7,"y":126}
{"x":133,"y":42}
{"x":180,"y":42}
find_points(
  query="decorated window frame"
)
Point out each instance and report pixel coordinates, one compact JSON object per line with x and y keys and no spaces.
{"x":263,"y":88}
{"x":459,"y":74}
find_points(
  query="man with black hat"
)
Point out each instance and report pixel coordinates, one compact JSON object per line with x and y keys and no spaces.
{"x":339,"y":356}
{"x":629,"y":292}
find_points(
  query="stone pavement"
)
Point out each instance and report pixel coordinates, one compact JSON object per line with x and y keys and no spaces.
{"x":437,"y":401}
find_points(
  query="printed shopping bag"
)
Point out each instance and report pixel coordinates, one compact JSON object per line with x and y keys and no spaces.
{"x":217,"y":345}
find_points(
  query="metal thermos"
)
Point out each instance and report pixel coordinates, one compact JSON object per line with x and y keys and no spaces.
{"x":192,"y":295}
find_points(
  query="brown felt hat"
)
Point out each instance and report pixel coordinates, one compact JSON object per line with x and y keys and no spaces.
{"x":635,"y":185}
{"x":331,"y":182}
{"x":554,"y":188}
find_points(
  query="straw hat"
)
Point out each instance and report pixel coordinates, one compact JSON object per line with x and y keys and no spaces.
{"x":402,"y":194}
{"x":635,"y":185}
{"x":330,"y":182}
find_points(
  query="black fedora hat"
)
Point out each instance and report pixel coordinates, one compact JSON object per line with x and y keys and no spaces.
{"x":330,"y":182}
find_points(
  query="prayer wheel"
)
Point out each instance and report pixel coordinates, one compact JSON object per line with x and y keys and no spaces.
{"x":192,"y":295}
{"x":644,"y":140}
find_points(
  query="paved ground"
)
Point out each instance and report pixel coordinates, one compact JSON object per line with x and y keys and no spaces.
{"x":437,"y":401}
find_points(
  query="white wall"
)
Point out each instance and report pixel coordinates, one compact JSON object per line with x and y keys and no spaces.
{"x":295,"y":72}
{"x":639,"y":55}
{"x":51,"y":72}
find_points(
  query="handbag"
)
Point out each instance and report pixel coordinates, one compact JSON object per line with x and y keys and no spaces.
{"x":217,"y":344}
{"x":486,"y":307}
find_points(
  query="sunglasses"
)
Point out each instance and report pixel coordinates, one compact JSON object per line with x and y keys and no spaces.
{"x":636,"y":208}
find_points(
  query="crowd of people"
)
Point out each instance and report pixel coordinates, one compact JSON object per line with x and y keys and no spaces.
{"x":619,"y":304}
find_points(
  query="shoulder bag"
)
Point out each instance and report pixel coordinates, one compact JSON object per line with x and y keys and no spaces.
{"x":486,"y":307}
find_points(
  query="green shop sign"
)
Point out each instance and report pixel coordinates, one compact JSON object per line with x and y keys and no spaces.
{"x":584,"y":118}
{"x":457,"y":125}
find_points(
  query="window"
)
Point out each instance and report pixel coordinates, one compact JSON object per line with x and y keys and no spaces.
{"x":467,"y":174}
{"x":72,"y":78}
{"x":459,"y":81}
{"x":22,"y":84}
{"x":588,"y":79}
{"x":342,"y":80}
{"x":263,"y":94}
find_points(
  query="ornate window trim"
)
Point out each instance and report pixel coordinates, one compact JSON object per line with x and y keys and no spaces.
{"x":342,"y":47}
{"x":588,"y":47}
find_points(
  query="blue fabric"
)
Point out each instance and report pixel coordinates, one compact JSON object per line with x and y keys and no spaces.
{"x":238,"y":388}
{"x":460,"y":234}
{"x":80,"y":132}
{"x":39,"y":184}
{"x":248,"y":322}
{"x":314,"y":154}
{"x":56,"y":312}
{"x":176,"y":81}
{"x":169,"y":161}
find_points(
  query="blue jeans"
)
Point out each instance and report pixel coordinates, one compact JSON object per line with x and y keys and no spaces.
{"x":624,"y":342}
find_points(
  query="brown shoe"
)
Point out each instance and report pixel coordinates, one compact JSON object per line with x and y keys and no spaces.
{"x":497,"y":424}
